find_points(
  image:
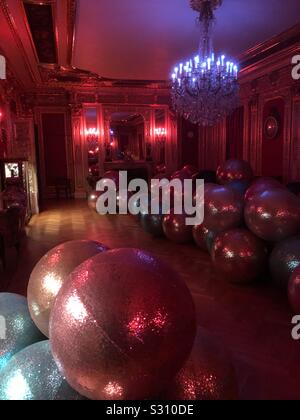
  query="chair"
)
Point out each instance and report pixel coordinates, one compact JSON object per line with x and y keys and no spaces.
{"x":11,"y":230}
{"x":63,"y":185}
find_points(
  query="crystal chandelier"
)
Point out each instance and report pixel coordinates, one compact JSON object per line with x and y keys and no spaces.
{"x":205,"y":88}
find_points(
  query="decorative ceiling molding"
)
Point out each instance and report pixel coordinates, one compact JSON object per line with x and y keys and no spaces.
{"x":71,"y":77}
{"x":55,"y":75}
{"x":283,"y":41}
{"x":72,"y":11}
{"x":9,"y":18}
{"x":41,"y":22}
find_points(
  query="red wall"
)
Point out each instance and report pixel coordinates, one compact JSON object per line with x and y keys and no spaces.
{"x":272,"y":150}
{"x":189,"y":136}
{"x":235,"y":134}
{"x":3,"y":143}
{"x":54,"y":136}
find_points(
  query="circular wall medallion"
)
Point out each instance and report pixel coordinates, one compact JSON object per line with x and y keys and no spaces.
{"x":271,"y":127}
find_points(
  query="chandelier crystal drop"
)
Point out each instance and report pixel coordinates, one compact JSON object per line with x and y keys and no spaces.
{"x":205,"y":89}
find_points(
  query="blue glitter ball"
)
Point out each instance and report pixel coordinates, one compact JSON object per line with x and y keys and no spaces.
{"x":284,"y":260}
{"x":33,"y":375}
{"x":17,"y":329}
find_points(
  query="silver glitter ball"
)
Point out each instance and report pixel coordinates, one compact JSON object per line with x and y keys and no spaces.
{"x":17,"y":329}
{"x":33,"y":375}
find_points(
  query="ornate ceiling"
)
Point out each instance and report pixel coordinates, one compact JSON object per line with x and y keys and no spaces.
{"x":45,"y":40}
{"x":143,"y":39}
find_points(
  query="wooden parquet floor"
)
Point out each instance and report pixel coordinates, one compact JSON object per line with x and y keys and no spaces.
{"x":254,"y":322}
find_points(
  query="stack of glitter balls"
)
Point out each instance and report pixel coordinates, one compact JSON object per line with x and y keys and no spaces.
{"x":251,"y":227}
{"x":107,"y":325}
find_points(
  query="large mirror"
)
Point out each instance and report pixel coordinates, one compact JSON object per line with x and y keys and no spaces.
{"x":127,"y":137}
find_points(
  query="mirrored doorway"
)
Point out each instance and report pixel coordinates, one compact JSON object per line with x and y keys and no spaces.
{"x":127,"y":137}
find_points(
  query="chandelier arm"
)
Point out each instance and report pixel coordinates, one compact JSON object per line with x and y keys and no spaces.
{"x":205,"y":89}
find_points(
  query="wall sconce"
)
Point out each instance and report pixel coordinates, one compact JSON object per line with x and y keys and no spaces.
{"x":92,"y":135}
{"x":92,"y":132}
{"x":160,"y":135}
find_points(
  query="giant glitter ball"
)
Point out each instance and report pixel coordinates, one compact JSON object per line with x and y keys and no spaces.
{"x":294,"y":291}
{"x":122,"y":326}
{"x":208,"y":375}
{"x":17,"y":329}
{"x":273,"y":215}
{"x":152,"y":223}
{"x":203,"y":237}
{"x":261,"y":185}
{"x":51,"y":272}
{"x":234,"y":170}
{"x":176,"y":229}
{"x":223,"y":208}
{"x":190,"y":170}
{"x":112,"y":176}
{"x":239,"y":256}
{"x":182,"y":175}
{"x":32,"y":375}
{"x":240,"y":187}
{"x":93,"y":198}
{"x":284,"y":260}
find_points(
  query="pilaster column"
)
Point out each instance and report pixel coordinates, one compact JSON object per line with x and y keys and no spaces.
{"x":172,"y":154}
{"x":80,"y":155}
{"x":288,"y":155}
{"x":253,"y":142}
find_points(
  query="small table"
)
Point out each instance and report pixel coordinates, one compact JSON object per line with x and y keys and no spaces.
{"x":136,"y":169}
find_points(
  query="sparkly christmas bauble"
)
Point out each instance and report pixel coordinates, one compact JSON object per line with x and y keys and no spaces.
{"x":160,"y":176}
{"x":138,"y":204}
{"x":294,"y":291}
{"x":284,"y":260}
{"x":223,"y":208}
{"x":122,"y":326}
{"x":203,"y":238}
{"x":241,"y":187}
{"x":176,"y":229}
{"x":181,"y":175}
{"x":32,"y":374}
{"x":234,"y":170}
{"x":190,"y":169}
{"x":152,"y":223}
{"x":161,"y":169}
{"x":51,"y":272}
{"x":239,"y":256}
{"x":92,"y":199}
{"x":261,"y":185}
{"x":273,"y":215}
{"x":174,"y":196}
{"x":208,"y":375}
{"x":17,"y":329}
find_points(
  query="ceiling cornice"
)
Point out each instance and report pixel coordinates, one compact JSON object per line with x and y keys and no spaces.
{"x":11,"y":23}
{"x":272,"y":46}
